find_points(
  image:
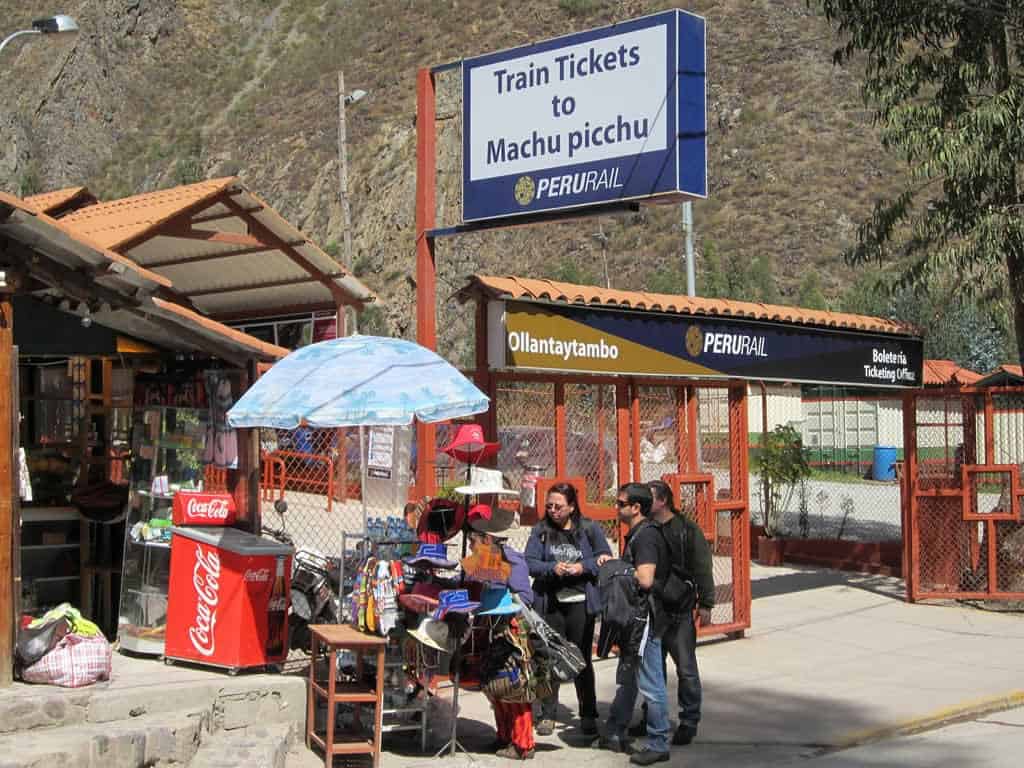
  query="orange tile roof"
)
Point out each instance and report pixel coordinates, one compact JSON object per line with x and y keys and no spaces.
{"x":47,"y":202}
{"x":939,"y":373}
{"x":118,"y":221}
{"x":568,"y":293}
{"x":61,"y":224}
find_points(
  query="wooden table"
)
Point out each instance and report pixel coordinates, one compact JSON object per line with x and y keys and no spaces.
{"x":332,"y":638}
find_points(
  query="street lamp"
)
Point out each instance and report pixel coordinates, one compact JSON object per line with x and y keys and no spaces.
{"x":52,"y":25}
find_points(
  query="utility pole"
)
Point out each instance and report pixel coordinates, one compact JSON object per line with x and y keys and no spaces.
{"x":346,"y":211}
{"x":691,"y":279}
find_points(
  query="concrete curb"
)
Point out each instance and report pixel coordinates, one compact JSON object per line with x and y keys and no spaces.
{"x":967,"y":710}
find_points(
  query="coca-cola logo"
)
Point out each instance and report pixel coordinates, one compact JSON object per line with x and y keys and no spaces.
{"x":206,"y":581}
{"x":211,"y":509}
{"x":257,"y":575}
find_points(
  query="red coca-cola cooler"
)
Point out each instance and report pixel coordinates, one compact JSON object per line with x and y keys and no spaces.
{"x":199,"y":508}
{"x":227,"y":602}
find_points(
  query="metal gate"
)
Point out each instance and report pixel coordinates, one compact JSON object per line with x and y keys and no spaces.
{"x":961,"y":490}
{"x":600,"y":432}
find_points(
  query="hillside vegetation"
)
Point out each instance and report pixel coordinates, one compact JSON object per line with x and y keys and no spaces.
{"x":156,"y":93}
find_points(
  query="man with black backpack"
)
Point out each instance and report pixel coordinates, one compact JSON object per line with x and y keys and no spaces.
{"x":640,"y":671}
{"x":690,"y":585}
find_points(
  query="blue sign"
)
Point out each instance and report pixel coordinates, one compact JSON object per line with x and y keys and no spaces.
{"x":609,"y":115}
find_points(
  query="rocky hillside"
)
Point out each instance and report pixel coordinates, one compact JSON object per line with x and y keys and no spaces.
{"x":160,"y":92}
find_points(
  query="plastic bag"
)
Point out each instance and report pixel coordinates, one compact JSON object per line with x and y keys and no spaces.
{"x":35,"y":642}
{"x":75,"y":662}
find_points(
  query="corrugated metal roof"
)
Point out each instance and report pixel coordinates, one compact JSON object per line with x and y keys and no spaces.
{"x":569,"y":293}
{"x":217,"y":241}
{"x":940,"y":373}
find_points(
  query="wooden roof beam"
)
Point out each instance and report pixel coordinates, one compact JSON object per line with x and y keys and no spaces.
{"x":211,"y":236}
{"x":81,"y":286}
{"x":256,"y":287}
{"x":264,"y":234}
{"x":180,"y":220}
{"x":208,"y":257}
{"x":200,"y":219}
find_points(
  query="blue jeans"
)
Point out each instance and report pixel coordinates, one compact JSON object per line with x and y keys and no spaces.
{"x":649,"y":682}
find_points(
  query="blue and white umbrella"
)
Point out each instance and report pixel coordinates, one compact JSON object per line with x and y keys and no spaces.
{"x":358,"y":381}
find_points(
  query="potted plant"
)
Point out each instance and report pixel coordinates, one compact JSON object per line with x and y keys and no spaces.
{"x":783,"y":469}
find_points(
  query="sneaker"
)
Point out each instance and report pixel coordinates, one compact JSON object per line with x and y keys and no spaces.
{"x":545,"y":727}
{"x":615,"y":744}
{"x":648,"y":757}
{"x":589,"y":726}
{"x":684,"y":735}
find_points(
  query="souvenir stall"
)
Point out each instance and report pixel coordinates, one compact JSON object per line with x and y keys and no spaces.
{"x":366,"y":382}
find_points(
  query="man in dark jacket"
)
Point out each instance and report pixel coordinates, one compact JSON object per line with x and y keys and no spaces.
{"x":692,"y":556}
{"x":646,"y":550}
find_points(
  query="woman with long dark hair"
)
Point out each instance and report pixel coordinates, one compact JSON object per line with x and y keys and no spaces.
{"x":564,"y":552}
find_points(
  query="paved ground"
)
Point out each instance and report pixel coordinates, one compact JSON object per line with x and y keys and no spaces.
{"x":834,"y":660}
{"x":995,"y":741}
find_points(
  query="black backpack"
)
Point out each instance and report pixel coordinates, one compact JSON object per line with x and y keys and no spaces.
{"x":679,"y":592}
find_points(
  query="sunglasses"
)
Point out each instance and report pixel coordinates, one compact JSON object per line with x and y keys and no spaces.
{"x":620,"y":503}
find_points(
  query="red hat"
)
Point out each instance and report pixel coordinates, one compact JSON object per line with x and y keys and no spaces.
{"x":441,"y":520}
{"x":468,"y":445}
{"x":479,"y":512}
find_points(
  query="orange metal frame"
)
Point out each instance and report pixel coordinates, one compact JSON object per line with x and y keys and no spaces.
{"x":915,"y":489}
{"x":627,"y":403}
{"x":275,"y":474}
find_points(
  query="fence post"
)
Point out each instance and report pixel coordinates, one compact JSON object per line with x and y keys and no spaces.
{"x":426,"y":267}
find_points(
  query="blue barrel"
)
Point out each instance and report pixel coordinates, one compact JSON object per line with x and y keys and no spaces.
{"x":885,"y":459}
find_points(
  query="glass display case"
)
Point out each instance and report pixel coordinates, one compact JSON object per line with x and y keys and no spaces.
{"x":166,"y":456}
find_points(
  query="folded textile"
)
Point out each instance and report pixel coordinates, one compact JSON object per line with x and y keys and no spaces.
{"x":79,"y":624}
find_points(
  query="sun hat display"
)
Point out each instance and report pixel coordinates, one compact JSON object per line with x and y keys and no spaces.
{"x":440,"y":521}
{"x":433,"y":634}
{"x":468,"y":445}
{"x":499,"y":523}
{"x":417,"y":603}
{"x":496,"y":600}
{"x":485,"y":481}
{"x":431,"y":555}
{"x":454,"y":601}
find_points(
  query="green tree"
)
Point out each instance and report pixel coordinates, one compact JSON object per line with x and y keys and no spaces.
{"x":946,"y":81}
{"x":711,"y":279}
{"x":738,"y":283}
{"x":762,"y":278}
{"x":809,"y":294}
{"x":669,"y":279}
{"x":566,"y":270}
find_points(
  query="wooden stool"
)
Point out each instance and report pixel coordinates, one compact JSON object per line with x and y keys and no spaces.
{"x":335,"y":637}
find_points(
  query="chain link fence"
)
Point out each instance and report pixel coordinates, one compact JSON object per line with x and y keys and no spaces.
{"x":965,"y":496}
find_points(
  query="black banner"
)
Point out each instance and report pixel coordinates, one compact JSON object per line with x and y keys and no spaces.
{"x":584,"y":339}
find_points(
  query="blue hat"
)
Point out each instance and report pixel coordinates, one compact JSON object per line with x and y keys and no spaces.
{"x":455,"y":601}
{"x":497,"y":601}
{"x":431,"y":554}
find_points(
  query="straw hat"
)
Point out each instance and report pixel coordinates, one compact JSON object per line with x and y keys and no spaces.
{"x":485,"y":481}
{"x":433,"y":634}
